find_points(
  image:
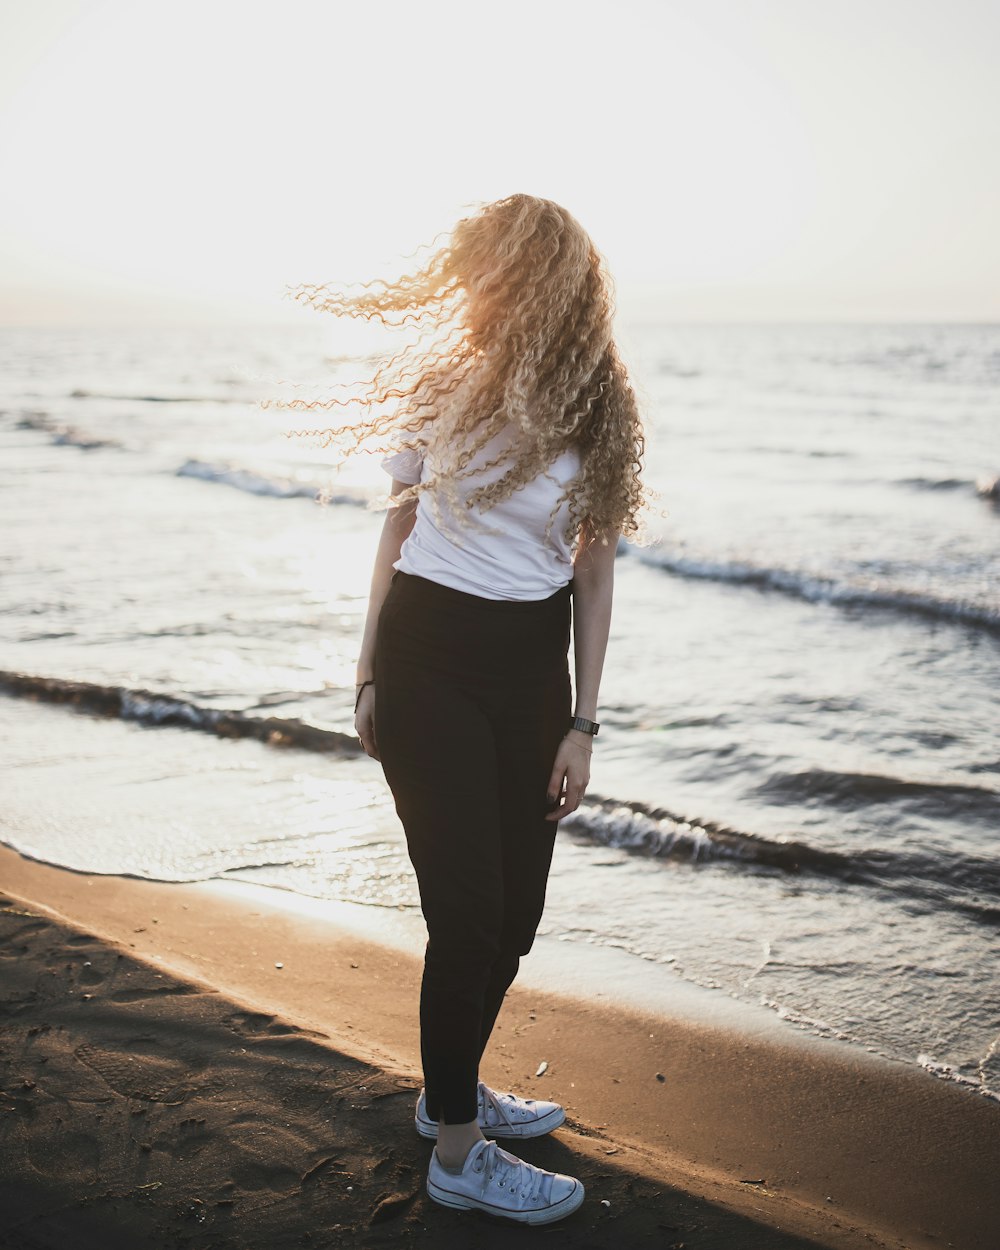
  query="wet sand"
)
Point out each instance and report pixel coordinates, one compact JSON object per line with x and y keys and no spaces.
{"x":166,"y":1083}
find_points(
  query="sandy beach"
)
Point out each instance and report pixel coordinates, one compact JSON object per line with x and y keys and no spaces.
{"x":181,"y":1067}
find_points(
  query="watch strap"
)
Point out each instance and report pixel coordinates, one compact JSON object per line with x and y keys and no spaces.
{"x":584,"y":725}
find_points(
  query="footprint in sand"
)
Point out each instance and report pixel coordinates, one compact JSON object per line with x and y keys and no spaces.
{"x":188,"y":1139}
{"x":254,"y":1024}
{"x":153,"y":1077}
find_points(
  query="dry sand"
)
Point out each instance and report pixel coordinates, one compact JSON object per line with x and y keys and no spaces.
{"x":165,"y":1084}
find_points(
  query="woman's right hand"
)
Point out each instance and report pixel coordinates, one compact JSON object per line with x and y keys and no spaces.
{"x":364,"y":721}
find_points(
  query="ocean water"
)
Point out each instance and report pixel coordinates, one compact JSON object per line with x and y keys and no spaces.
{"x":795,"y":795}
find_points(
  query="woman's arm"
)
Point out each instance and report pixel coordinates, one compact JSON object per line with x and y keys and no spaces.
{"x":395,"y":528}
{"x":593,"y":590}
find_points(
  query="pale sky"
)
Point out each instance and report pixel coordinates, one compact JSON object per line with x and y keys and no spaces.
{"x":766,"y":160}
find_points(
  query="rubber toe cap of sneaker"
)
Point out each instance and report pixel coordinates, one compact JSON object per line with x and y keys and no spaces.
{"x":546,"y":1108}
{"x":563,"y":1187}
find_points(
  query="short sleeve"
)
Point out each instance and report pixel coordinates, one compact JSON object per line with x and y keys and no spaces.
{"x":404,"y":465}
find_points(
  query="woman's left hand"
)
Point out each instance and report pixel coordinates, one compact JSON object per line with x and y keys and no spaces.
{"x":572,"y":767}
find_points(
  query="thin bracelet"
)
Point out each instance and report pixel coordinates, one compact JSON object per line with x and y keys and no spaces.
{"x":589,"y":750}
{"x":361,"y":685}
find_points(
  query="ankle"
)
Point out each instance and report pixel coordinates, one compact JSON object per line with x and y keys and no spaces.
{"x":454,"y":1142}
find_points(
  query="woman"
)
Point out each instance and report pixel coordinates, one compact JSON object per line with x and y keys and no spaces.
{"x":517,"y":470}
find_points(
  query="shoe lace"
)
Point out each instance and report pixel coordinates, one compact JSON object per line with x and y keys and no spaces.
{"x":490,"y":1098}
{"x":511,"y":1173}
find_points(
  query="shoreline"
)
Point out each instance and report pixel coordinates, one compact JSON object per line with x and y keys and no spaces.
{"x":722,"y":1127}
{"x":867,"y":967}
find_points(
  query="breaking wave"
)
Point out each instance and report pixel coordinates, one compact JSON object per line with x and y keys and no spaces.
{"x":819,"y":589}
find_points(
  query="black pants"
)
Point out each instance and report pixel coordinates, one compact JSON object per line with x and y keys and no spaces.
{"x":472,"y":698}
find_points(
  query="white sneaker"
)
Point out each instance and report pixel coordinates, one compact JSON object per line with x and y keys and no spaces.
{"x":499,"y":1183}
{"x":501,"y":1115}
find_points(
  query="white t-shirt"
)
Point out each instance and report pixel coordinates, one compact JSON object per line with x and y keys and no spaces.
{"x":517,"y":562}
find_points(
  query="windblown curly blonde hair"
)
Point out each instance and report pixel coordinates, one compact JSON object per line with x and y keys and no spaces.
{"x":519,"y":306}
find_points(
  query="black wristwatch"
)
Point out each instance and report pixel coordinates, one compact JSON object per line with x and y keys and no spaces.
{"x":584,"y":725}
